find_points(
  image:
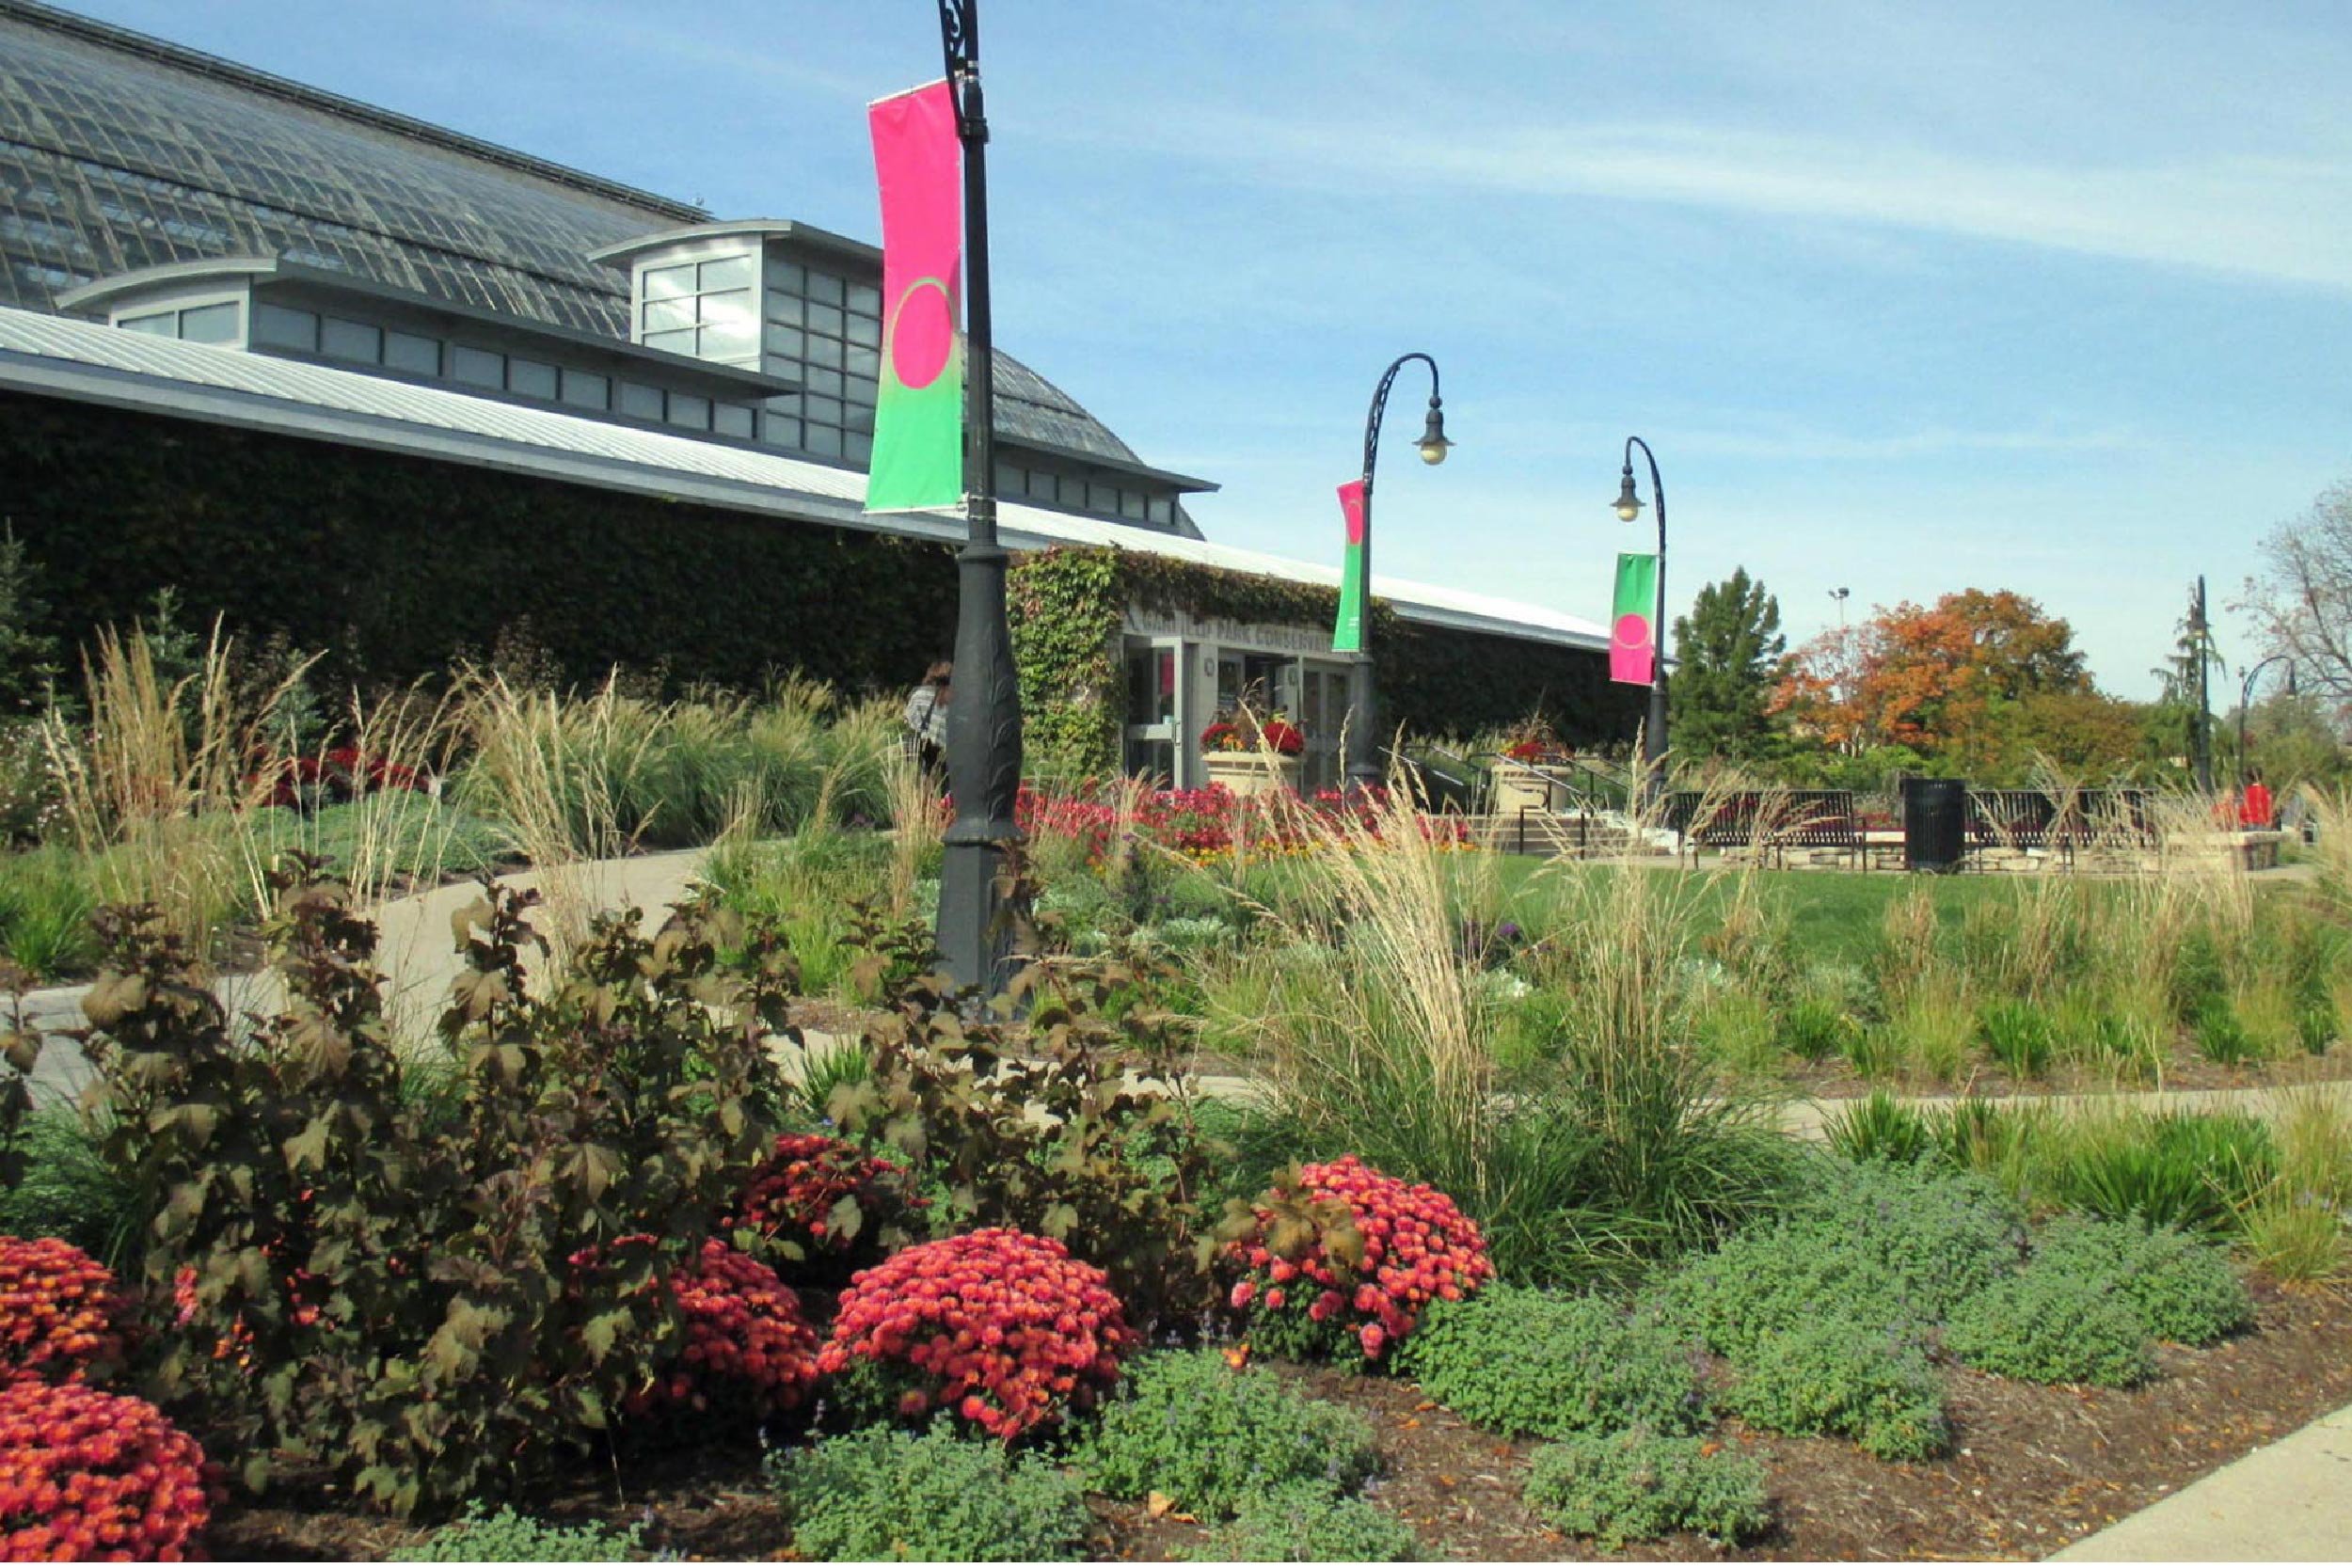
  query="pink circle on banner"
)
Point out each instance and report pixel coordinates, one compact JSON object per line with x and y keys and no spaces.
{"x":1632,"y":631}
{"x":922,"y":333}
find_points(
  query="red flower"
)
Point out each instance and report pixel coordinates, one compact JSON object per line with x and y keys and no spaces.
{"x":59,"y":1311}
{"x":86,"y":1476}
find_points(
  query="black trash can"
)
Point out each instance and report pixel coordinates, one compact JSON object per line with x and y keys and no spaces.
{"x":1936,"y":824}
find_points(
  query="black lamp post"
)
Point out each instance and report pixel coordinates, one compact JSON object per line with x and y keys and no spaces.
{"x":1364,"y":771}
{"x":1629,"y":508}
{"x":984,"y":718}
{"x":2246,"y":698}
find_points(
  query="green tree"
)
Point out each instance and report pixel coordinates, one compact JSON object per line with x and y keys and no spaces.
{"x":1730,"y":656}
{"x":28,"y":654}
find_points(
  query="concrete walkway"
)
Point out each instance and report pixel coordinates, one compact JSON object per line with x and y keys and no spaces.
{"x":2290,"y":1502}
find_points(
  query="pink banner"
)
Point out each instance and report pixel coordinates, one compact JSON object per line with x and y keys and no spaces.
{"x":1352,"y":508}
{"x":918,"y":422}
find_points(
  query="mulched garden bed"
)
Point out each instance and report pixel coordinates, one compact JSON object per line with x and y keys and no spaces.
{"x":2034,"y":1470}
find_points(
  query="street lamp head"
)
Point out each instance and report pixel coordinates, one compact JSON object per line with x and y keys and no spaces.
{"x":2291,"y":690}
{"x":1433,"y":442}
{"x":1629,"y":504}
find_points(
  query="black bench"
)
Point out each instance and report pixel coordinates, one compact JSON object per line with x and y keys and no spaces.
{"x":1771,"y":821}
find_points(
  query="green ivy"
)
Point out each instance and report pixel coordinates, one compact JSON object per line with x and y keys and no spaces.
{"x":1067,"y":608}
{"x":393,"y":562}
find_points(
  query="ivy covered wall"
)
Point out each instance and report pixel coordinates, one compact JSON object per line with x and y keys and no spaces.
{"x":1067,"y":606}
{"x":390,"y":562}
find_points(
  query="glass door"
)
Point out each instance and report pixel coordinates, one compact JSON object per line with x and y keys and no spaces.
{"x":1154,"y":736}
{"x":1322,"y":717}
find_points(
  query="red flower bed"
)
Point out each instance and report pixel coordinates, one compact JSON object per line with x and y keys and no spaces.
{"x":1363,"y":1250}
{"x":59,"y":1311}
{"x":747,"y":1342}
{"x":798,"y":1192}
{"x":1212,"y":823}
{"x":343,"y":773}
{"x":90,"y":1476}
{"x":1002,"y":1328}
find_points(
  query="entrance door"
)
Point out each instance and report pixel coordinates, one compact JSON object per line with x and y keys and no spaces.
{"x":1323,"y":715}
{"x":1155,"y":709}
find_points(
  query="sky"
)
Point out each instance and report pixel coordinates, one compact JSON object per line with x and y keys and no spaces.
{"x":2050,"y":296}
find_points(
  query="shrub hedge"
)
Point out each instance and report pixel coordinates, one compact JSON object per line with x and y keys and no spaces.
{"x":2054,"y":1325}
{"x":1637,"y":1486}
{"x":1306,"y":1523}
{"x":1531,"y":1363}
{"x":2184,"y":1286}
{"x":1838,"y":1379}
{"x":880,"y":1495}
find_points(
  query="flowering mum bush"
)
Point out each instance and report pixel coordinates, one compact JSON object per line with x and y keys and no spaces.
{"x":59,"y":1311}
{"x":1002,"y":1328}
{"x":827,"y":1202}
{"x":86,"y":1476}
{"x":1340,"y":1250}
{"x":747,"y":1342}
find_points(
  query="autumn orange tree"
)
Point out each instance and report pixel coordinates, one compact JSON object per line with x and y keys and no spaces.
{"x":1978,"y":680}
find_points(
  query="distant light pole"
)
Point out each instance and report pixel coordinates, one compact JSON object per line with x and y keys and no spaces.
{"x":984,"y":721}
{"x":1629,"y":508}
{"x":2201,"y":649}
{"x":1839,"y":594}
{"x":1364,"y":771}
{"x":2246,"y":698}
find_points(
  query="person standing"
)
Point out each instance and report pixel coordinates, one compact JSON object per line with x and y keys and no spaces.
{"x":2255,"y":808}
{"x":927,"y":716}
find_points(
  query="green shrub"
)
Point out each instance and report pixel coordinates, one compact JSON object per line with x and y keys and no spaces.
{"x":2315,"y":1021}
{"x":1188,"y":1425}
{"x":1879,"y":1128}
{"x":2182,"y":1286}
{"x":1531,"y":1363}
{"x":1887,"y":1248}
{"x":2052,"y":1326}
{"x":1637,"y":1486}
{"x":2221,"y":1036}
{"x":2019,"y":1036}
{"x":1305,"y":1523}
{"x":1838,"y":1379}
{"x":47,"y":896}
{"x":507,"y":1536}
{"x":1941,"y":1234}
{"x":881,"y":1494}
{"x":1817,"y":1029}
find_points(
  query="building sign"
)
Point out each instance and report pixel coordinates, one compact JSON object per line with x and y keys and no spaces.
{"x":1230,"y":634}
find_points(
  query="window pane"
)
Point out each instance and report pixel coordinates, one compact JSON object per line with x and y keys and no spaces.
{"x":282,"y":329}
{"x":825,"y":353}
{"x":668,"y":282}
{"x":477,"y":367}
{"x":865,"y":297}
{"x":730,"y":340}
{"x":1008,"y":478}
{"x":729,"y":272}
{"x":690,"y":411}
{"x":1044,"y":486}
{"x":1131,"y":504}
{"x":866,"y":330}
{"x":662,"y":315}
{"x":676,"y":342}
{"x":639,"y":402}
{"x":732,"y":308}
{"x":858,"y":448}
{"x":823,"y":383}
{"x":785,"y":308}
{"x":856,"y":416}
{"x":863,"y":363}
{"x":406,"y":351}
{"x":779,"y":430}
{"x":821,"y":410}
{"x":825,"y":318}
{"x":1160,"y":510}
{"x":821,"y":440}
{"x":787,"y":341}
{"x":732,"y":418}
{"x":582,"y":390}
{"x":530,"y":378}
{"x":209,"y":323}
{"x":825,"y":289}
{"x":348,"y":340}
{"x":158,"y":323}
{"x":789,"y":275}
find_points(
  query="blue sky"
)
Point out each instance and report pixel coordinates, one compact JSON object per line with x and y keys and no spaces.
{"x":1907,"y":298}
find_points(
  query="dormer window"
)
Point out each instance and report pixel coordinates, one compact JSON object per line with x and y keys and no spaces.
{"x":706,"y":309}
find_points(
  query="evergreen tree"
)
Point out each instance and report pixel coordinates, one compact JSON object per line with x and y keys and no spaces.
{"x":1730,"y":656}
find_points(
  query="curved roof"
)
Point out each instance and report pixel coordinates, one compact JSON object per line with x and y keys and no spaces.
{"x":119,"y":151}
